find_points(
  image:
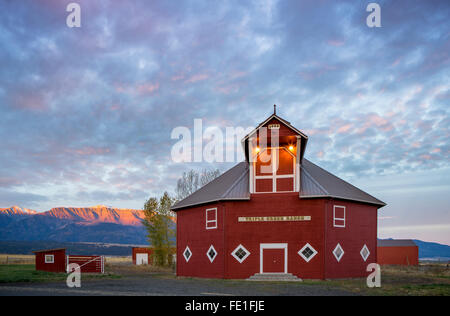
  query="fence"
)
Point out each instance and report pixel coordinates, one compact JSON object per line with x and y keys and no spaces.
{"x":88,"y":264}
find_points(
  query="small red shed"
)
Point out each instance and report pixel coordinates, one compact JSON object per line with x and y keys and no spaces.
{"x":51,"y":260}
{"x":398,"y":251}
{"x":142,"y":255}
{"x":56,"y":260}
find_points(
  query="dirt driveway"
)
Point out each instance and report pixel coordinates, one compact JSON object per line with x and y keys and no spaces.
{"x":166,"y":284}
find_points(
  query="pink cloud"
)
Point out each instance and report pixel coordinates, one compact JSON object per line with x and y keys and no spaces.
{"x":198,"y":77}
{"x":335,"y":43}
{"x":148,"y":88}
{"x":345,"y":128}
{"x":31,"y":101}
{"x":177,"y":77}
{"x":89,"y":151}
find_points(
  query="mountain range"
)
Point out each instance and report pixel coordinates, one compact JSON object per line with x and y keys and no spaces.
{"x":106,"y":225}
{"x":72,"y":224}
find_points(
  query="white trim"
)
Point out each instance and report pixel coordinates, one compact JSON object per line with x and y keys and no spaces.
{"x":338,"y":246}
{"x":300,"y":252}
{"x":211,"y":221}
{"x":184,"y":254}
{"x":285,"y":123}
{"x":273,"y":246}
{"x":368,"y":252}
{"x":215,"y":253}
{"x":297,"y":165}
{"x":338,"y":218}
{"x":244,"y":257}
{"x":49,"y":258}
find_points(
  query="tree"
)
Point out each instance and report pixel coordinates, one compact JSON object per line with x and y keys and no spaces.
{"x":160,"y":228}
{"x":193,"y":180}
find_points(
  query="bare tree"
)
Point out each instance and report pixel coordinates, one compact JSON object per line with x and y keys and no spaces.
{"x":193,"y":180}
{"x":208,"y":175}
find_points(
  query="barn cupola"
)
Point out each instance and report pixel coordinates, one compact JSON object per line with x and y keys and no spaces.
{"x":274,"y":151}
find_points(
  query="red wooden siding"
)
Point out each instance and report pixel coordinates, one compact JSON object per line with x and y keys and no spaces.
{"x":59,"y":264}
{"x":136,"y":250}
{"x":285,"y":185}
{"x":273,"y":260}
{"x":191,"y":225}
{"x":295,"y":233}
{"x":263,"y":165}
{"x":360,"y":229}
{"x":286,"y":162}
{"x":318,"y":232}
{"x":398,"y":255}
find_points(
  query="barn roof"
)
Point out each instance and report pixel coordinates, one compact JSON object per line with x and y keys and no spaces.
{"x":315,"y":182}
{"x":396,"y":243}
{"x":283,"y":121}
{"x":48,"y":250}
{"x":231,"y":185}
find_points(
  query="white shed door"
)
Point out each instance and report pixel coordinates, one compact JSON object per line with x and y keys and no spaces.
{"x":141,"y":258}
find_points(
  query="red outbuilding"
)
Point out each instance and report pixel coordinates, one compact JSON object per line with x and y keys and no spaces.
{"x":56,"y":260}
{"x":142,"y":255}
{"x":398,"y":252}
{"x":51,"y":260}
{"x":276,"y":212}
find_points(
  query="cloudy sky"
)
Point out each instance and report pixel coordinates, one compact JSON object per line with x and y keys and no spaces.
{"x":87,"y":113}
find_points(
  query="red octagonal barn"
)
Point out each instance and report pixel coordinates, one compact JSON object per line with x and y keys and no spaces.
{"x":276,"y":212}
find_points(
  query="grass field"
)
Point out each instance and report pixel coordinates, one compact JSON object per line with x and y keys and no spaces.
{"x":425,"y":279}
{"x":18,"y":273}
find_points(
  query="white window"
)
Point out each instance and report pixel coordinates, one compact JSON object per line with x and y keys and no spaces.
{"x":49,"y":259}
{"x":307,"y":252}
{"x":338,"y":216}
{"x":187,"y":254}
{"x":338,"y":252}
{"x":240,"y":253}
{"x":274,"y":171}
{"x":365,"y":252}
{"x":211,"y":253}
{"x":211,"y":218}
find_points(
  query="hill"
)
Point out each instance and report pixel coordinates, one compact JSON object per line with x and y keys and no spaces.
{"x":70,"y":224}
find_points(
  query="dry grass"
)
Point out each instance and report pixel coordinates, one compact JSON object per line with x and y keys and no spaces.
{"x":115,"y":260}
{"x":425,"y":279}
{"x":131,"y":269}
{"x":16,"y":259}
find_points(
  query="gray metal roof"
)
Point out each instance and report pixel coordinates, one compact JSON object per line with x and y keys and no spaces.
{"x":396,"y":243}
{"x":315,"y":183}
{"x":231,"y":185}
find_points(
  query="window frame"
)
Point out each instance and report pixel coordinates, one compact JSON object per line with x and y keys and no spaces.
{"x":339,"y":218}
{"x":184,"y":254}
{"x":307,"y":259}
{"x":338,"y":246}
{"x":215,"y":253}
{"x":47,"y":260}
{"x":244,"y":257}
{"x":274,"y":177}
{"x":211,"y":221}
{"x":368,"y":252}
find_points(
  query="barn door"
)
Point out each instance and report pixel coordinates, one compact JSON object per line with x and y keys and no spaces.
{"x":141,"y":258}
{"x":273,"y":258}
